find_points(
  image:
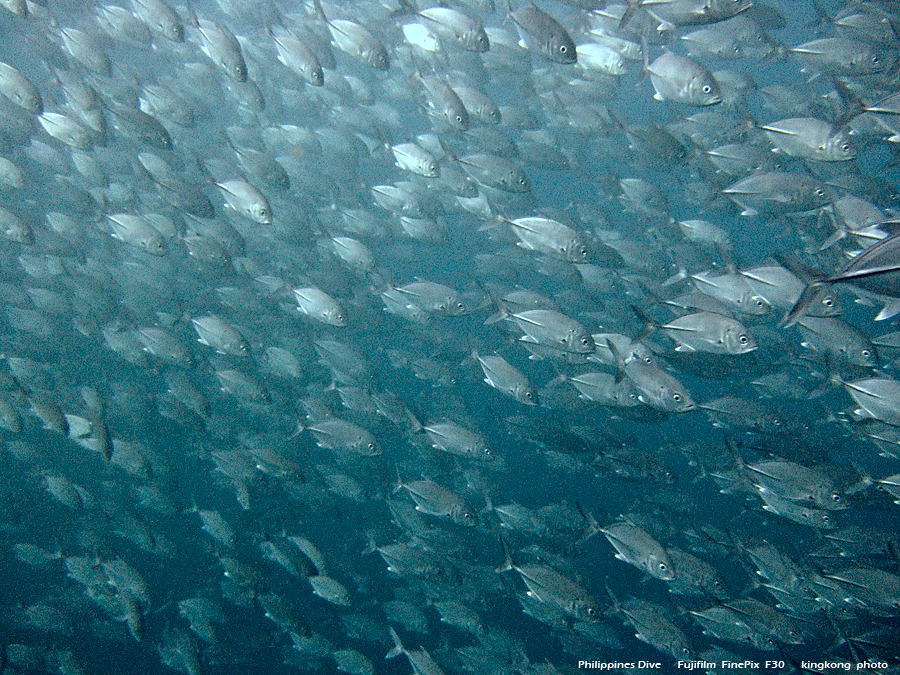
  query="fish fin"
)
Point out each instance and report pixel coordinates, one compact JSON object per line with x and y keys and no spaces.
{"x":775,"y":130}
{"x":630,"y":11}
{"x":508,"y":563}
{"x":799,"y":309}
{"x":650,"y":324}
{"x":680,"y":275}
{"x":620,"y":361}
{"x":398,"y":646}
{"x":320,"y":13}
{"x":833,"y":239}
{"x":749,"y":212}
{"x":593,"y":526}
{"x":890,"y":309}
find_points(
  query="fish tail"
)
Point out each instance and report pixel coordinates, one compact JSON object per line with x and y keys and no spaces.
{"x":633,"y":7}
{"x":398,"y":646}
{"x":593,"y":527}
{"x":320,"y":13}
{"x":399,"y":484}
{"x":507,"y":563}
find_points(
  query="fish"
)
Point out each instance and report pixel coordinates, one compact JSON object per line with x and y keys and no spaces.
{"x":298,"y":57}
{"x":810,"y":138}
{"x":546,"y":585}
{"x":777,"y":192}
{"x":682,"y":80}
{"x":248,"y":251}
{"x":456,"y":27}
{"x":636,"y":547}
{"x":436,"y":500}
{"x":15,"y":87}
{"x":220,"y":45}
{"x":501,"y":375}
{"x":320,"y":306}
{"x":356,"y":40}
{"x":707,"y":332}
{"x":246,"y":200}
{"x":550,"y":328}
{"x":454,"y":439}
{"x":337,"y":434}
{"x":545,"y":33}
{"x":549,"y":236}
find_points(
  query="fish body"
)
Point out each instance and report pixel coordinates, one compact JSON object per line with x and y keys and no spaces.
{"x":546,"y":34}
{"x":682,"y":80}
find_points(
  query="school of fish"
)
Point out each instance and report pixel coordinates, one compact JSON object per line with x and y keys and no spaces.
{"x":449,"y":337}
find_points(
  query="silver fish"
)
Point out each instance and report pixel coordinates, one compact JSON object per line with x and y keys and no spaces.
{"x":545,"y":34}
{"x":636,"y":547}
{"x":436,"y":500}
{"x":20,"y":90}
{"x":337,"y":434}
{"x":810,"y":138}
{"x":222,"y":48}
{"x":708,"y":332}
{"x":456,"y":27}
{"x":506,"y":378}
{"x":553,"y":329}
{"x":844,"y":342}
{"x":548,"y":586}
{"x":320,"y":306}
{"x":457,"y":440}
{"x":682,"y":80}
{"x":246,"y":200}
{"x":549,"y":236}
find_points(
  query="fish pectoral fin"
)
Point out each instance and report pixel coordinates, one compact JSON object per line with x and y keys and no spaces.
{"x":889,"y":310}
{"x":776,"y":130}
{"x":525,"y":319}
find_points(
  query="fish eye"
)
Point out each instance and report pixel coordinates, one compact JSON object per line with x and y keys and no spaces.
{"x":521,"y":180}
{"x":875,"y":59}
{"x":826,"y":518}
{"x":370,"y":446}
{"x":828,"y":302}
{"x":866,"y":353}
{"x":820,"y":192}
{"x":563,"y":49}
{"x":591,"y":611}
{"x":744,"y":339}
{"x":459,"y":119}
{"x":706,"y":88}
{"x":845,"y":147}
{"x":676,"y":398}
{"x":529,"y":395}
{"x":663,"y":567}
{"x":836,"y":499}
{"x":467,"y":516}
{"x":585,"y":341}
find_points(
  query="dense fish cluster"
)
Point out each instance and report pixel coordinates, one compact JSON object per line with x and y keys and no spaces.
{"x":449,"y":337}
